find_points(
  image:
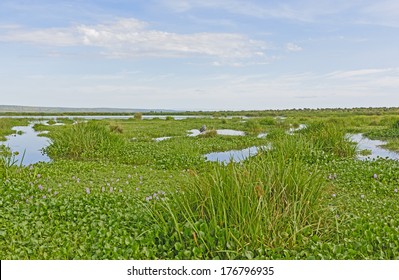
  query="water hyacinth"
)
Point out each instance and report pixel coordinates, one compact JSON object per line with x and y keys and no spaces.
{"x":332,"y":176}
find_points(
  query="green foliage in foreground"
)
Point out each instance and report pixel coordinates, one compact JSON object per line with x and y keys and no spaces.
{"x":271,"y":201}
{"x":307,"y":198}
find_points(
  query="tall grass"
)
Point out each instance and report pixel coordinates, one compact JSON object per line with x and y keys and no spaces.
{"x":86,"y":141}
{"x":271,"y":201}
{"x":329,"y":137}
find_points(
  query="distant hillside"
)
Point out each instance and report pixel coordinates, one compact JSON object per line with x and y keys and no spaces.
{"x":31,"y":109}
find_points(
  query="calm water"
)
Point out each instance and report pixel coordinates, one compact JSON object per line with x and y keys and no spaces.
{"x":374,"y":146}
{"x":28,"y":145}
{"x":107,"y":117}
{"x":234,"y":155}
{"x":226,"y":132}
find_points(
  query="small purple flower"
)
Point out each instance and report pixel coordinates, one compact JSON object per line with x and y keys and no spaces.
{"x":375,"y":176}
{"x":38,"y":175}
{"x":129,"y":176}
{"x":362,"y":196}
{"x":30,"y":167}
{"x":55,"y":193}
{"x":148,"y":198}
{"x":87,"y":190}
{"x":44,"y":197}
{"x":334,"y":195}
{"x":40,"y":187}
{"x":78,"y":180}
{"x":111,"y":189}
{"x":137,"y":189}
{"x":120,"y":190}
{"x":395,"y":190}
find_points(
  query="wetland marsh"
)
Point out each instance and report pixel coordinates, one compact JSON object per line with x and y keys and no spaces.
{"x":126,"y":188}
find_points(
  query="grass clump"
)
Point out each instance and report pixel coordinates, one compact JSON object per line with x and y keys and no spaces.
{"x":209,"y":134}
{"x":86,"y":141}
{"x":330,"y":138}
{"x":271,"y":201}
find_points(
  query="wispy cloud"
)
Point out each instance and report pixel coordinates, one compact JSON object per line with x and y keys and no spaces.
{"x":129,"y":37}
{"x":384,"y":12}
{"x":291,"y":47}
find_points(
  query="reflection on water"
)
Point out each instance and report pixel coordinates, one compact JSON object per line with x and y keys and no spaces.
{"x":374,"y":146}
{"x":293,"y":129}
{"x":225,"y":132}
{"x":230,"y":132}
{"x":162,"y":138}
{"x":234,"y":155}
{"x":100,"y":117}
{"x":28,"y":145}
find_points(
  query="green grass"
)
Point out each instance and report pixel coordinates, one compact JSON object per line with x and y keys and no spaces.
{"x":107,"y":196}
{"x":270,"y":201}
{"x":86,"y":140}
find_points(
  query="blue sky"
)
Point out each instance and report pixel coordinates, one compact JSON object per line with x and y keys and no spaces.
{"x":200,"y":54}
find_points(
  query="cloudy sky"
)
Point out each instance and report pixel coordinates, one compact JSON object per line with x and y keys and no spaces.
{"x":200,"y":54}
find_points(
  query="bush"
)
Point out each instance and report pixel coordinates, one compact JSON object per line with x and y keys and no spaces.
{"x":138,"y":116}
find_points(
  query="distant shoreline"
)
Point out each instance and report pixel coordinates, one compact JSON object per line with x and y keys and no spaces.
{"x":7,"y":110}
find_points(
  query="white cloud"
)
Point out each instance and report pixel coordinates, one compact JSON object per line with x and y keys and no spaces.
{"x":364,"y":73}
{"x":291,"y":47}
{"x":130,"y":37}
{"x":383,"y":12}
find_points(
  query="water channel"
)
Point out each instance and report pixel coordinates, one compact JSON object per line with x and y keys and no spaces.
{"x":27,"y":145}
